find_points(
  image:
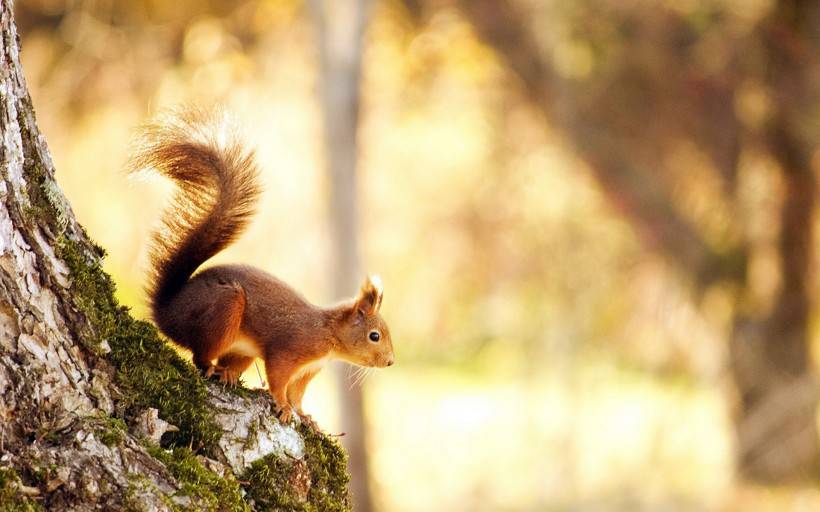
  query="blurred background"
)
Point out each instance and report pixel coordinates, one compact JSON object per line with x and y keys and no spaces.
{"x":594,"y":221}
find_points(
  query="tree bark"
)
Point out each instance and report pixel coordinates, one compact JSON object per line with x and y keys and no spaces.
{"x":88,"y":394}
{"x":340,"y":26}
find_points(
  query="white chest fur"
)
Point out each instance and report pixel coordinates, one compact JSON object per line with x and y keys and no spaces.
{"x":312,"y":367}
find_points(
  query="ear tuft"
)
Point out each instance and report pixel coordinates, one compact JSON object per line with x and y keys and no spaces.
{"x":375,"y":282}
{"x":370,"y":296}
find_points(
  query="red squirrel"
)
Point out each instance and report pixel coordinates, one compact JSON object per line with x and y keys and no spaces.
{"x":228,"y":315}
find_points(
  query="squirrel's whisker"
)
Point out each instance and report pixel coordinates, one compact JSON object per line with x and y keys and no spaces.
{"x":358,"y":376}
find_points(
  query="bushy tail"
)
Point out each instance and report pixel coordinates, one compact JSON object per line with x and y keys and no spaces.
{"x":218,"y":186}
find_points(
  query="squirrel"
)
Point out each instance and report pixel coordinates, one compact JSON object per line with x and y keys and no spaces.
{"x":227,"y":315}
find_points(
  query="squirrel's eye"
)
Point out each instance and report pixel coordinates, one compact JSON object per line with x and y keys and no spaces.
{"x":374,"y":336}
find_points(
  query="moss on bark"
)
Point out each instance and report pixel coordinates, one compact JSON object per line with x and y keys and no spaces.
{"x":317,"y":483}
{"x":206,"y":490}
{"x":11,"y":497}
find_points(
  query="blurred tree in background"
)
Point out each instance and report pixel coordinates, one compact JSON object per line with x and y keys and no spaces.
{"x":340,"y":26}
{"x":631,"y":86}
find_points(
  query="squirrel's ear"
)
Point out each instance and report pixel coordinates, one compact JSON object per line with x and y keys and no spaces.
{"x":370,"y":296}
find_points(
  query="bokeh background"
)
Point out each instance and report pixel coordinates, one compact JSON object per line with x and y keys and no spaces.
{"x":594,"y":221}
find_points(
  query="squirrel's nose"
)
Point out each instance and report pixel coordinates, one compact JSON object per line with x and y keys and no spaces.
{"x":390,"y":361}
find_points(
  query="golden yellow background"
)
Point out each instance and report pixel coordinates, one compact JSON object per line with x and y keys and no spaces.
{"x":545,"y":359}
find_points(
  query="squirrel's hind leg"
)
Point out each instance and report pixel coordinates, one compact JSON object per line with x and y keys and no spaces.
{"x":219,"y":327}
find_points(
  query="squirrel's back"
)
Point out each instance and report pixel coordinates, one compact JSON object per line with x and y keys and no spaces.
{"x":218,"y":187}
{"x":272,"y":309}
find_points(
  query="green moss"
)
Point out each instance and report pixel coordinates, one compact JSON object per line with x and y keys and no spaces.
{"x":327,"y":463}
{"x":90,"y":289}
{"x":206,"y":490}
{"x":40,"y":474}
{"x":139,"y":485}
{"x":275,"y":483}
{"x":130,"y":498}
{"x":253,"y":429}
{"x":11,"y":500}
{"x":149,"y":372}
{"x":269,"y":485}
{"x":109,"y":430}
{"x":153,"y":375}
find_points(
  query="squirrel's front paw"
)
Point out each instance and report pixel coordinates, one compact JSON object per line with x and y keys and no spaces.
{"x":285,"y":414}
{"x":229,"y":377}
{"x":212,"y":370}
{"x":308,"y":420}
{"x":226,"y":375}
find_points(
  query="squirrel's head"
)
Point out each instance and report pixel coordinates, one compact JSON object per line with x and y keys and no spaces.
{"x":362,"y":334}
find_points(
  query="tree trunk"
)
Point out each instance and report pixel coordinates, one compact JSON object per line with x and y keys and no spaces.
{"x":776,"y":417}
{"x":88,"y":394}
{"x":341,"y":26}
{"x":771,"y":360}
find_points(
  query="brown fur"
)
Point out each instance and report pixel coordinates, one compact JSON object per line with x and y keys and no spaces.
{"x":233,"y":313}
